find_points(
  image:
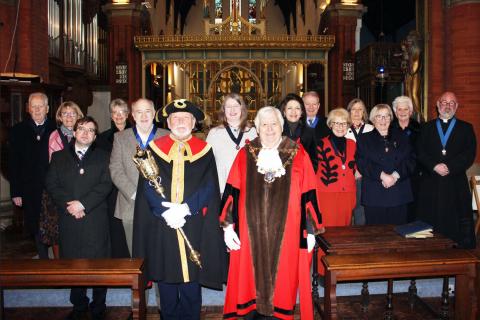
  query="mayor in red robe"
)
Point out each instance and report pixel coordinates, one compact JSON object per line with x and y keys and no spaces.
{"x":270,"y":215}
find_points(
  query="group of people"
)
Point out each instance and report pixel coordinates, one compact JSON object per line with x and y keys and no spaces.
{"x":252,"y":197}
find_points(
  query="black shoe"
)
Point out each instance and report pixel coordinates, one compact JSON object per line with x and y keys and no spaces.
{"x":98,"y":316}
{"x":77,"y":315}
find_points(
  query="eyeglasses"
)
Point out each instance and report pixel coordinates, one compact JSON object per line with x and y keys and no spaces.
{"x":445,"y":103}
{"x":380,"y":117}
{"x":69,"y":114}
{"x":120,"y":112}
{"x":88,"y":130}
{"x":340,"y":124}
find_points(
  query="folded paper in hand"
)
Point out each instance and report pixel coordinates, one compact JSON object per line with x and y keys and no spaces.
{"x":416,"y":229}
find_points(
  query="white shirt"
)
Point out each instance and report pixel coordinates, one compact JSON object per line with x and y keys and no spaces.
{"x":225,"y":151}
{"x":351,"y":135}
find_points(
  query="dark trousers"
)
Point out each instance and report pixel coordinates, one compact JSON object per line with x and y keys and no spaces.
{"x":386,"y":215}
{"x":359,"y":211}
{"x":79,"y":299}
{"x":42,"y":248}
{"x":180,"y":301}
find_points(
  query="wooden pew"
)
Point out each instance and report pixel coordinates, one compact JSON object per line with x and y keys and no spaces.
{"x":75,"y":272}
{"x":395,"y":265}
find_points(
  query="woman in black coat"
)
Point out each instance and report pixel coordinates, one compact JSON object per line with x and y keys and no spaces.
{"x":293,"y":111}
{"x":119,"y":112}
{"x":386,"y":161}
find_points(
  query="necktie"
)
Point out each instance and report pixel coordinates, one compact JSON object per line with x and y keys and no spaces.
{"x":80,"y":154}
{"x":310,"y":122}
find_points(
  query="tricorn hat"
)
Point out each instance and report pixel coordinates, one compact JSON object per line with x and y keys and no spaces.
{"x":181,"y":105}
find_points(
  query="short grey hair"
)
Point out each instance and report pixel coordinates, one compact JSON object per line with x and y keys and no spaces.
{"x":402,"y":100}
{"x":119,"y":103}
{"x":269,"y":109}
{"x":38,"y":94}
{"x":377,"y":108}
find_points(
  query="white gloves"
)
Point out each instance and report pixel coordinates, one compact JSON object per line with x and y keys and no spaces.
{"x":175,"y":215}
{"x":231,"y":238}
{"x":310,"y":242}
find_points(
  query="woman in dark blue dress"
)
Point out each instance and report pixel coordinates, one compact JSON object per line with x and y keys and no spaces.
{"x":386,"y":161}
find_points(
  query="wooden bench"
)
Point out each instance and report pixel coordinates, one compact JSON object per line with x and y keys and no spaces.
{"x":75,"y":272}
{"x":395,"y":265}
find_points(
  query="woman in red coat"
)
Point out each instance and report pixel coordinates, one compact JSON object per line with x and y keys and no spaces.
{"x":336,"y":191}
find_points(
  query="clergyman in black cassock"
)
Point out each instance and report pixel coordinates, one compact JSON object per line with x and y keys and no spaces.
{"x":444,"y":198}
{"x":28,"y":164}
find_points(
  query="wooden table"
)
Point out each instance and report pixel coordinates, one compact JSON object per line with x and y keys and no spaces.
{"x":376,"y":239}
{"x":76,"y":272}
{"x":459,"y":263}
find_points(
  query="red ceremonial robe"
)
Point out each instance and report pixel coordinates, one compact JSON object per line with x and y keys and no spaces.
{"x":271,"y":220}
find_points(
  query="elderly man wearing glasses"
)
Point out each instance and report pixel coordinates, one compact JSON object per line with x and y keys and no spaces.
{"x":386,"y":160}
{"x":446,"y":148}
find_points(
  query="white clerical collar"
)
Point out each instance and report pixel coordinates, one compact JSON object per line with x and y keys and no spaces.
{"x":39,"y":124}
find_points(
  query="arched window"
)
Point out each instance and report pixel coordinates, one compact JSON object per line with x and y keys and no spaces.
{"x":218,"y":11}
{"x":252,"y":11}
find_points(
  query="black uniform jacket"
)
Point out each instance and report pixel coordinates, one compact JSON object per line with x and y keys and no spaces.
{"x":194,"y":179}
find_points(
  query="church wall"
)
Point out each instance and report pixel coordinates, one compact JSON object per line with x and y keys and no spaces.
{"x":31,"y":46}
{"x":7,"y":16}
{"x":275,"y":22}
{"x":454,"y":58}
{"x":100,"y":109}
{"x":194,"y":24}
{"x":436,"y":55}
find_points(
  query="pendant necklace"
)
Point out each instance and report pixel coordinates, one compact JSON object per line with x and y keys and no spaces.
{"x":236,"y":140}
{"x":269,"y":176}
{"x":444,"y":137}
{"x":342,"y":156}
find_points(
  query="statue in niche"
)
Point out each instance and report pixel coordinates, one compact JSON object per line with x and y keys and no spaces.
{"x":412,"y":65}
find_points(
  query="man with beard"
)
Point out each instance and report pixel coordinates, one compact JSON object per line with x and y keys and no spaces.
{"x":446,"y":148}
{"x":190,"y":201}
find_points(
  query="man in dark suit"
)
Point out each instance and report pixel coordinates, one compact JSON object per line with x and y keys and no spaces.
{"x":79,"y":182}
{"x":446,"y":148}
{"x":28,"y":163}
{"x":315,"y":120}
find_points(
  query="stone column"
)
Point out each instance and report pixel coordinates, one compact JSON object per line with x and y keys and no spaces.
{"x":124,"y":25}
{"x":342,"y":22}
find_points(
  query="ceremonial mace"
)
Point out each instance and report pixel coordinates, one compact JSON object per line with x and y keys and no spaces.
{"x":148,"y":168}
